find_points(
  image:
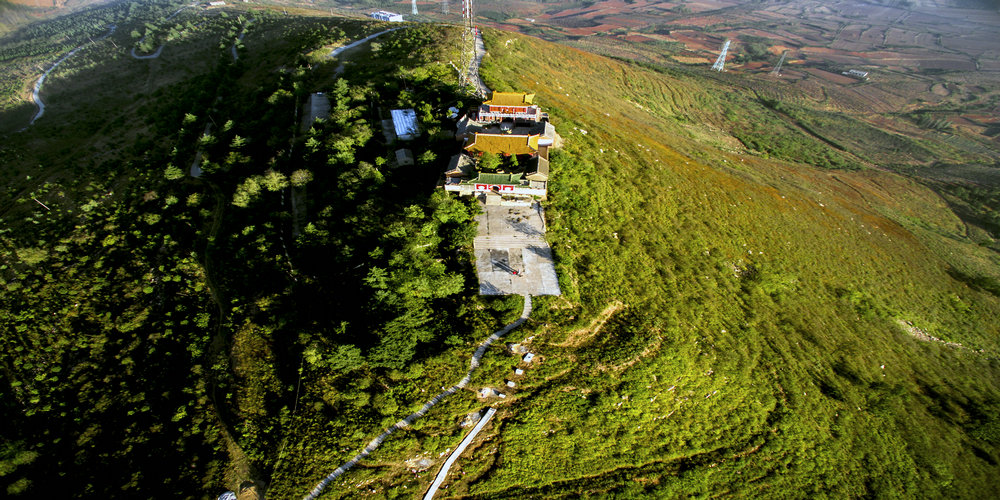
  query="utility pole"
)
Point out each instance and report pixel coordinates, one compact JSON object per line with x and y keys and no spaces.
{"x":468,"y":40}
{"x":721,"y":61}
{"x":777,"y":69}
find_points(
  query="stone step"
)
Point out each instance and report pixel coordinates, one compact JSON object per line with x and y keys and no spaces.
{"x":508,"y":242}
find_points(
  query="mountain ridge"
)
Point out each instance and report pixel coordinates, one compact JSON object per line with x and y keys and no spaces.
{"x":753,"y":344}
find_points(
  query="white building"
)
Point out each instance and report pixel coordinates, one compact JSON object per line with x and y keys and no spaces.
{"x":383,"y":15}
{"x":405,"y":123}
{"x":857,"y":73}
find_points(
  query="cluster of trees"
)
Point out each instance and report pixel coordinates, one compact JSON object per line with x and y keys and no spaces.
{"x":148,"y":311}
{"x":755,"y":48}
{"x":107,"y":322}
{"x":331,"y":261}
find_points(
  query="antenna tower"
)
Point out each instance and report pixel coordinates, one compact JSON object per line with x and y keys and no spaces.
{"x":444,"y":6}
{"x":468,"y":41}
{"x":467,"y":16}
{"x":722,"y":57}
{"x":777,"y":69}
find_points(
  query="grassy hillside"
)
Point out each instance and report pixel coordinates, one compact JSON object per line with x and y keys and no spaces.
{"x":753,"y":316}
{"x":752,"y":304}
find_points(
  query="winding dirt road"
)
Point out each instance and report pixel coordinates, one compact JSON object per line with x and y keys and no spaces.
{"x":36,"y":92}
{"x":154,"y":55}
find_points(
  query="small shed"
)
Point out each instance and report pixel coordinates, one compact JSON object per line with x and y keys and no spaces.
{"x":548,"y":135}
{"x":519,"y":371}
{"x":511,"y":383}
{"x":405,"y":123}
{"x":528,"y":357}
{"x":404,"y":157}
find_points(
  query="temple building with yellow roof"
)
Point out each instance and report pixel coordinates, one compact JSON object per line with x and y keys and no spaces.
{"x":513,"y":106}
{"x":512,"y":127}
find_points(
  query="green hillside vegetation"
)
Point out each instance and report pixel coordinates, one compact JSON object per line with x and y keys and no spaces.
{"x":147,"y":308}
{"x":769,"y":295}
{"x":750,"y":304}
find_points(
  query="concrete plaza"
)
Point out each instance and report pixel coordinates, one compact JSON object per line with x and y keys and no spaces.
{"x":513,"y":238}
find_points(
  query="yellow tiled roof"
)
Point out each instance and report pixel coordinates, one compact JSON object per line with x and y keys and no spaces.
{"x":505,"y":144}
{"x":510,"y":99}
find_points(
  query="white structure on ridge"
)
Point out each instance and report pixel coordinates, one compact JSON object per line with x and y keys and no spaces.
{"x":383,"y":15}
{"x":856,"y":73}
{"x":722,"y":57}
{"x":414,"y":7}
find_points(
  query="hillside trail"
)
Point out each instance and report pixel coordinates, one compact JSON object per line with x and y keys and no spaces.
{"x":35,"y":93}
{"x":577,"y":337}
{"x":347,"y":49}
{"x":239,"y":468}
{"x":239,"y":39}
{"x":406,"y":422}
{"x":154,"y":55}
{"x":336,"y":52}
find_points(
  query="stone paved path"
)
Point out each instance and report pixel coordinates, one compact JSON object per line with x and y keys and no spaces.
{"x":406,"y":422}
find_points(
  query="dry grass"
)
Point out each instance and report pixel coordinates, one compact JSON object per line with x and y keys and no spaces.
{"x":578,"y":337}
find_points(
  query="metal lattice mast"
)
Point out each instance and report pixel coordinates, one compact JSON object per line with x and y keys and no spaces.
{"x":468,"y":41}
{"x":467,"y":15}
{"x":721,"y":61}
{"x":777,"y":69}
